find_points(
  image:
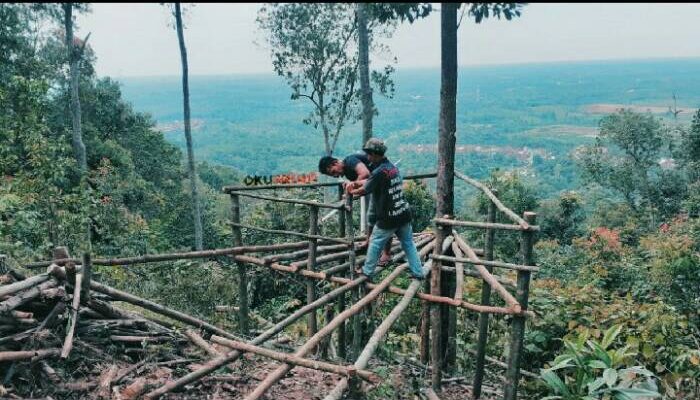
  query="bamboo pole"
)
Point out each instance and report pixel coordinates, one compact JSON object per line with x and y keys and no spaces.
{"x":500,"y":264}
{"x":486,"y":275}
{"x":228,"y":189}
{"x":510,"y":391}
{"x":485,"y":300}
{"x":243,"y":323}
{"x":340,"y":304}
{"x":485,"y":225}
{"x":290,"y":201}
{"x":292,"y":233}
{"x":68,"y":342}
{"x":494,"y":200}
{"x":449,"y":313}
{"x":355,"y":321}
{"x":280,"y":372}
{"x":373,"y":342}
{"x":149,"y":258}
{"x":311,"y":266}
{"x":297,"y":361}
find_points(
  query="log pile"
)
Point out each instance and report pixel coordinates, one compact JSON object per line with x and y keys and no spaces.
{"x":56,"y":340}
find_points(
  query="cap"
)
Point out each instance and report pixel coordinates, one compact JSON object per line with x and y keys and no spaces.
{"x":375,"y":145}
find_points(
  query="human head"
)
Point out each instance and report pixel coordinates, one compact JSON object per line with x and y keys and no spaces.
{"x":375,"y":149}
{"x":330,"y":166}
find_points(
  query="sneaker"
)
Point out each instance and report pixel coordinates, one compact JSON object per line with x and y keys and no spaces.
{"x":418,"y":278}
{"x":359,"y":272}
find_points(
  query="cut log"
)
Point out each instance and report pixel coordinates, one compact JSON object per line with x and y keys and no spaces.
{"x":134,"y":390}
{"x":201,"y":343}
{"x":24,"y":297}
{"x":105,"y":382}
{"x":28,"y":354}
{"x":13,"y":288}
{"x":68,"y":342}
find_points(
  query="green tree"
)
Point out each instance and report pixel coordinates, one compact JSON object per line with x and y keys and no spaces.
{"x":625,"y":159}
{"x":562,"y":219}
{"x":310,"y":46}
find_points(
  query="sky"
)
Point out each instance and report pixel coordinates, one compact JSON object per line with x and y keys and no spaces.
{"x":139,"y":40}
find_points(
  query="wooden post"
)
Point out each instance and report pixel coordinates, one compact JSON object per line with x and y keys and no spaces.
{"x":485,"y":300}
{"x":510,"y":391}
{"x":87,"y":275}
{"x":243,"y":323}
{"x":311,"y":266}
{"x":425,"y":327}
{"x":357,"y":292}
{"x":342,"y":353}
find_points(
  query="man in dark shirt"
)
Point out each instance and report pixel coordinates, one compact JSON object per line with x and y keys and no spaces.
{"x":355,"y":167}
{"x":393,"y":214}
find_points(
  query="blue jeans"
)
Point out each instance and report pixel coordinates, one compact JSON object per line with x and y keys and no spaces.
{"x":381,"y":236}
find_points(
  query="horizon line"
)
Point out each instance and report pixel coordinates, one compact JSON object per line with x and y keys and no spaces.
{"x":423,"y":68}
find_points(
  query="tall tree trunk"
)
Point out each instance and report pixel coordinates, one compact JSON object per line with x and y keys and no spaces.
{"x":74,"y":59}
{"x":188,"y":131}
{"x":365,"y":89}
{"x":446,"y":161}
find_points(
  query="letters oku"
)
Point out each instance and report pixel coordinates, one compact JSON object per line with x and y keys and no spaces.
{"x":255,"y":180}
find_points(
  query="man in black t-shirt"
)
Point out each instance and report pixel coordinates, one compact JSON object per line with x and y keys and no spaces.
{"x":393,"y":214}
{"x":355,"y":167}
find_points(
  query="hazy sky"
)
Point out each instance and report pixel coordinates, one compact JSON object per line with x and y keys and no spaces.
{"x":137,"y":39}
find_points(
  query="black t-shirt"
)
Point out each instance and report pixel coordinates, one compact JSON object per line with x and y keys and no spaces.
{"x":351,"y":161}
{"x":386,"y":186}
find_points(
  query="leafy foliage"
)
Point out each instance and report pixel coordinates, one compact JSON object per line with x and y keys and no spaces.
{"x":592,"y":370}
{"x":310,"y":45}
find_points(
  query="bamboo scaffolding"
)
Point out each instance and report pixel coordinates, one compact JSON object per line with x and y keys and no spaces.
{"x":499,"y":264}
{"x":280,"y":372}
{"x":377,"y":336}
{"x":507,"y":211}
{"x":484,"y":225}
{"x":486,"y":275}
{"x":298,"y":361}
{"x":216,"y":363}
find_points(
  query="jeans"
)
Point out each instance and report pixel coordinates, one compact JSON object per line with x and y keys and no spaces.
{"x":381,"y":236}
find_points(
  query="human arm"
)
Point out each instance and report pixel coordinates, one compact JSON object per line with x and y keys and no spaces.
{"x":362,"y":171}
{"x":356,"y":188}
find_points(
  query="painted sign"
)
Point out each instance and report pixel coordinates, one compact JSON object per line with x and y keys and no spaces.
{"x":282,"y":179}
